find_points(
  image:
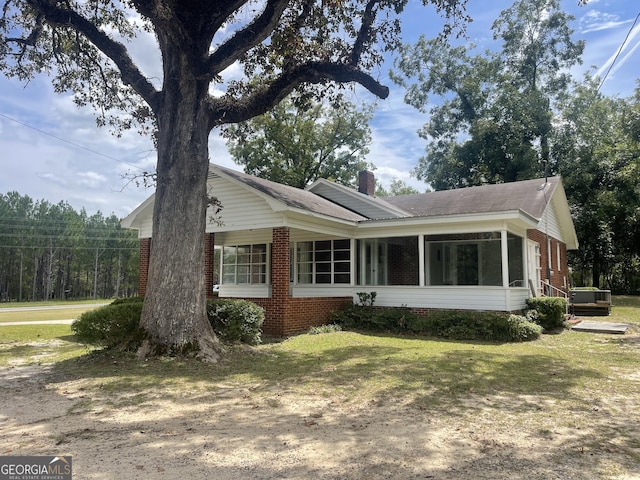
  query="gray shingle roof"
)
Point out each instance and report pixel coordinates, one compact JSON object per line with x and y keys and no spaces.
{"x":529,"y":196}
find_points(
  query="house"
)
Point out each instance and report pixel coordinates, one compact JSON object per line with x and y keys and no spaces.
{"x":302,"y":254}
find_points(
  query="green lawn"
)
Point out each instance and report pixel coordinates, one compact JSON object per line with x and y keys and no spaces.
{"x":363,"y":365}
{"x":564,"y":382}
{"x":432,"y":372}
{"x":36,"y":311}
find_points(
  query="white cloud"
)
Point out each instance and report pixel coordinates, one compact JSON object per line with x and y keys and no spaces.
{"x":91,"y":179}
{"x":595,"y":21}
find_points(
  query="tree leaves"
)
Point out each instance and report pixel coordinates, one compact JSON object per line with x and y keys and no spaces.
{"x":300,"y":141}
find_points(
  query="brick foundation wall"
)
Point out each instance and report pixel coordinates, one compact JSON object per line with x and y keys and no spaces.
{"x":301,"y":313}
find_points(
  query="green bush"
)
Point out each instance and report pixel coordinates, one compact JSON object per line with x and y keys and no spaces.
{"x":112,"y":326}
{"x":127,"y":300}
{"x":549,"y":311}
{"x":471,"y":325}
{"x":456,"y":325}
{"x":522,"y":330}
{"x":375,"y":319}
{"x":236,"y":320}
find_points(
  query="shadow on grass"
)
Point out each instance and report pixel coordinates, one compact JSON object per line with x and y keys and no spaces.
{"x":35,"y":349}
{"x":432,"y":377}
{"x":427,"y":373}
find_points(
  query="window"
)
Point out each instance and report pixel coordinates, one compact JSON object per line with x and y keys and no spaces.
{"x":324,"y":262}
{"x":558,"y":256}
{"x":244,"y":264}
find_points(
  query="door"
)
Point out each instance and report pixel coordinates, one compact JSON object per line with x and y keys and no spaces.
{"x":534,"y":268}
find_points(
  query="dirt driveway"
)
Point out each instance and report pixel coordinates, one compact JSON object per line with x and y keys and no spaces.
{"x":262,"y":432}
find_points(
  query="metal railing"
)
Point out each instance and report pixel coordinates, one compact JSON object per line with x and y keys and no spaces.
{"x":551,"y":291}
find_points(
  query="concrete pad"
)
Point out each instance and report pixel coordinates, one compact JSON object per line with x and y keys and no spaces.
{"x":601,"y":327}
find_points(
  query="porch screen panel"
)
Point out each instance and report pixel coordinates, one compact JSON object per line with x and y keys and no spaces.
{"x":304,"y":260}
{"x":467,"y":259}
{"x":388,"y":261}
{"x":516,"y":261}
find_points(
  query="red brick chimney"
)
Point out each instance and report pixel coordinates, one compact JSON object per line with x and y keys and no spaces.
{"x":367,"y":183}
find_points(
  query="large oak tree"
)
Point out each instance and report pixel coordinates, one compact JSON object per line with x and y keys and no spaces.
{"x":286,"y":44}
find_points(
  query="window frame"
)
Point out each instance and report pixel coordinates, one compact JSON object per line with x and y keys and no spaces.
{"x":249,"y":265}
{"x":323,"y":262}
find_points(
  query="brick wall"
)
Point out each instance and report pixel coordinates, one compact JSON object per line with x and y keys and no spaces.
{"x":559,"y":277}
{"x":209,"y":245}
{"x":300,"y":313}
{"x":404,"y":268}
{"x":285,"y":315}
{"x":143,"y":269}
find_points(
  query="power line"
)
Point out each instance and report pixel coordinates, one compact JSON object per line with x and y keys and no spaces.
{"x":618,"y":53}
{"x":77,"y":145}
{"x":33,"y":247}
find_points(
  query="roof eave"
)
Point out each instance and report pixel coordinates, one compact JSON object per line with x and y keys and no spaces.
{"x":519,"y":216}
{"x":131,"y":221}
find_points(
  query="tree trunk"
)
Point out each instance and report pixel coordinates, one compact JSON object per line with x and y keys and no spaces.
{"x":174,"y":311}
{"x":95,"y":276}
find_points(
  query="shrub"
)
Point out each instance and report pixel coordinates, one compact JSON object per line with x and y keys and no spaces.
{"x":549,"y":311}
{"x":468,"y":325}
{"x":375,"y":319}
{"x":112,"y":326}
{"x":236,"y":320}
{"x":456,"y":325}
{"x":523,"y":330}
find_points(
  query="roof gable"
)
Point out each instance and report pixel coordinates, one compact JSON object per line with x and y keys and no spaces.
{"x":286,"y":197}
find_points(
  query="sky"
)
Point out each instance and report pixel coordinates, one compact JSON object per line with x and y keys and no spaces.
{"x":51,"y":150}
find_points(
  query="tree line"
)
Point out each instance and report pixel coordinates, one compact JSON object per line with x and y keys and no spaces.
{"x":51,"y":251}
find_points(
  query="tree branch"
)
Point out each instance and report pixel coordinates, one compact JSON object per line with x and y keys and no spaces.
{"x":131,"y":75}
{"x":250,"y":36}
{"x":228,"y":109}
{"x":368,"y":17}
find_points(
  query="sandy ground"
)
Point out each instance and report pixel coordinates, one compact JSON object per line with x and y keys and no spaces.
{"x":247,"y":433}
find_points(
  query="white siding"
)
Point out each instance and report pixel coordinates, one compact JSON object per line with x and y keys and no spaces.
{"x":517,"y":298}
{"x":241,"y":209}
{"x":313,"y":291}
{"x":146,"y":227}
{"x":458,"y":298}
{"x":244,"y":291}
{"x":550,"y":223}
{"x":244,"y":237}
